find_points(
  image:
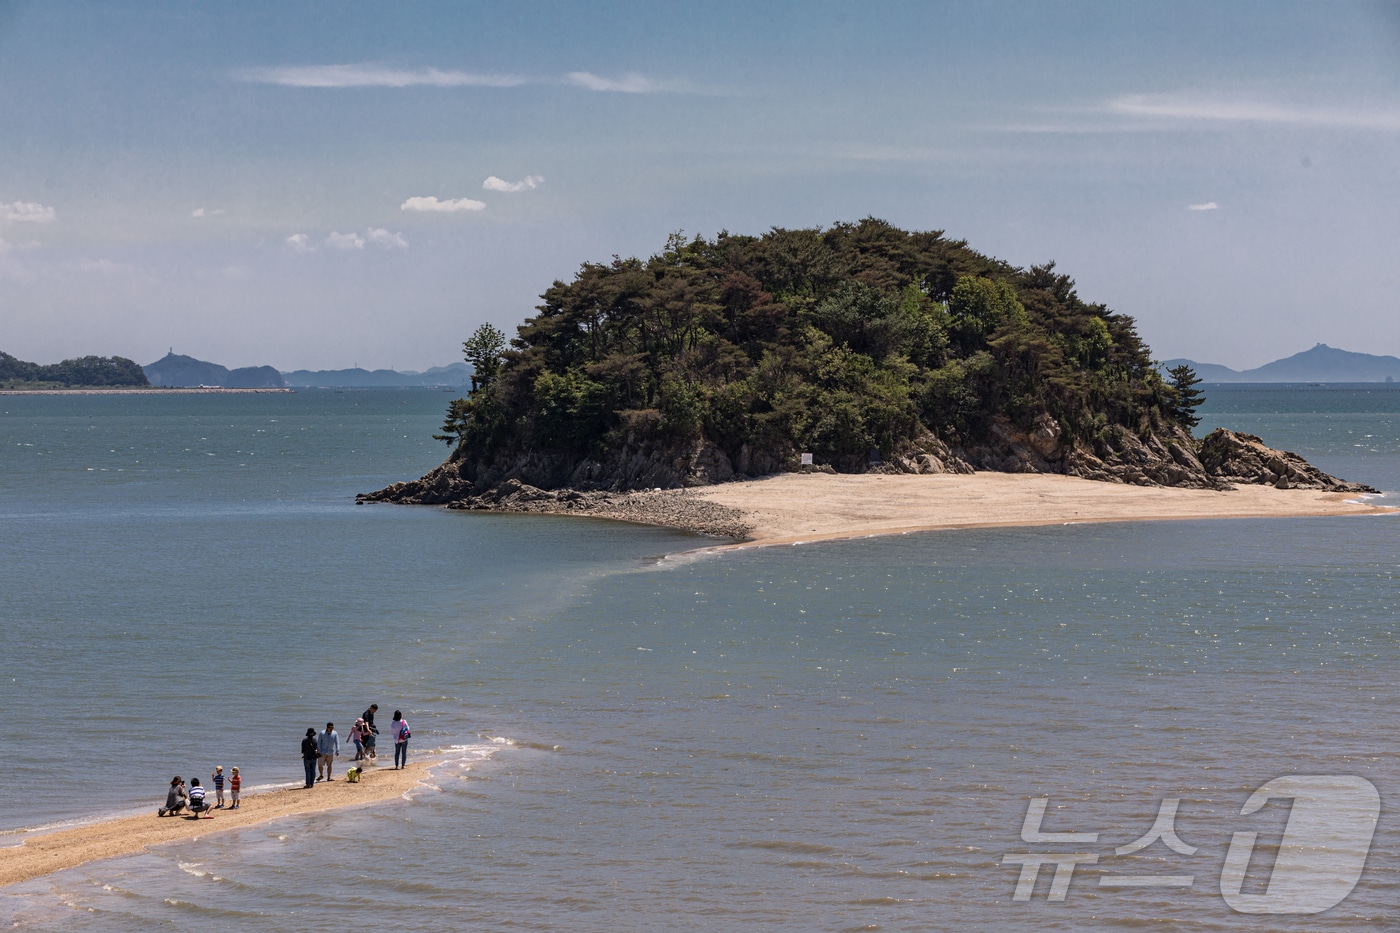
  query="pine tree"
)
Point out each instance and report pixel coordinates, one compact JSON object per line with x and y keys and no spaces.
{"x":1188,"y":397}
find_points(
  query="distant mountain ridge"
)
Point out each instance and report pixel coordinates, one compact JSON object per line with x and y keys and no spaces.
{"x":455,"y":374}
{"x":175,"y":369}
{"x":1320,"y":364}
{"x":178,"y":370}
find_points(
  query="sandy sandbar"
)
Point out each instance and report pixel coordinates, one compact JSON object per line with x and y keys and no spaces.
{"x":44,"y":853}
{"x":797,"y":507}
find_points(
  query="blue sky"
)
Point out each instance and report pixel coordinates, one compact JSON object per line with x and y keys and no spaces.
{"x":330,"y":184}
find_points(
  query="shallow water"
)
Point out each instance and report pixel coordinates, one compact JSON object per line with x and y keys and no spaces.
{"x":840,"y":736}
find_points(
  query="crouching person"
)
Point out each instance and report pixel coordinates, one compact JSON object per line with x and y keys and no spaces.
{"x":198,"y":805}
{"x":174,"y":798}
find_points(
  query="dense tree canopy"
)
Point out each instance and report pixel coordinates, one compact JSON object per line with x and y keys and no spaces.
{"x":836,"y":341}
{"x":82,"y":371}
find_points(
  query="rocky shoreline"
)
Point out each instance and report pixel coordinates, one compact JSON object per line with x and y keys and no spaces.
{"x":1221,"y":462}
{"x":669,"y":508}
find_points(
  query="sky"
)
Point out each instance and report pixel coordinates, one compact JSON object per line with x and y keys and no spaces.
{"x":324,"y":185}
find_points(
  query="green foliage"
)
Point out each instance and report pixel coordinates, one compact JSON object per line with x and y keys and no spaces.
{"x":1186,"y":398}
{"x":832,"y":341}
{"x":483,"y":351}
{"x":978,"y":306}
{"x":82,"y":371}
{"x":682,"y":406}
{"x":14,"y":370}
{"x":569,"y":411}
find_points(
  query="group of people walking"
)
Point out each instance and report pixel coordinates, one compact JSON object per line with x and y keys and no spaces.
{"x":177,"y":798}
{"x":320,"y":749}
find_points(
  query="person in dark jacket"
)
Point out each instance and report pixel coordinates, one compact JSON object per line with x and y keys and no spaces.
{"x":309,"y":754}
{"x":369,"y":740}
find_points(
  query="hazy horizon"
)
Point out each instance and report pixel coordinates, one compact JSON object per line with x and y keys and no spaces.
{"x":266,"y":184}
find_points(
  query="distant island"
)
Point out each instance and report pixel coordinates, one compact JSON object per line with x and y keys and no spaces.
{"x":175,"y":369}
{"x":85,"y":371}
{"x":858,"y":348}
{"x":454,"y":375}
{"x":1320,"y":364}
{"x":178,"y":370}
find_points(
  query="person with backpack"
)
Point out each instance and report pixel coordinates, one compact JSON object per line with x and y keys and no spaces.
{"x":399,"y":730}
{"x":309,"y":755}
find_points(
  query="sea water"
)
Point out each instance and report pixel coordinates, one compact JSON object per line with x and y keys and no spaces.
{"x":839,"y":736}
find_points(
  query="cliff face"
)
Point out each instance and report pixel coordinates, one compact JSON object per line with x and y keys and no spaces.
{"x":1220,"y":461}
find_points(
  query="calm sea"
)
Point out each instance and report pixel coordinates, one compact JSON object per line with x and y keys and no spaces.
{"x":835,"y":737}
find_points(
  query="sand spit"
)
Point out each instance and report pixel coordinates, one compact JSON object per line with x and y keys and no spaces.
{"x":793,"y":507}
{"x":796,"y":507}
{"x":48,"y":852}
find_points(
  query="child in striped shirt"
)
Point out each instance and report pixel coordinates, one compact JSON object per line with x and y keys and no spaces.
{"x":218,"y":777}
{"x":197,"y":802}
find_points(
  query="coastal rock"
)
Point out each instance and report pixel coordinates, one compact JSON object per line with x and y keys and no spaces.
{"x":672,"y":508}
{"x":1244,"y":458}
{"x":925,"y":454}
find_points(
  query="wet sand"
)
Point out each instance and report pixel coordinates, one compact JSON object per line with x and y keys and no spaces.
{"x":44,"y":853}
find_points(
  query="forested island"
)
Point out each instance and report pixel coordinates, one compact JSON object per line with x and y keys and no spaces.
{"x":868,"y":347}
{"x":86,"y":371}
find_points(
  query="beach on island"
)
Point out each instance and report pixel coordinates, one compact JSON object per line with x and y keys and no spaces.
{"x":42,"y":853}
{"x":791,"y":508}
{"x":795,"y":507}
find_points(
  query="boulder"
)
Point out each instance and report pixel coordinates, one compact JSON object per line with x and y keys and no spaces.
{"x":1236,"y":457}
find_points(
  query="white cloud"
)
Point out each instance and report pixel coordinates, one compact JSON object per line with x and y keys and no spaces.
{"x":433,"y":205}
{"x":300,"y":243}
{"x":367,"y":75}
{"x":1166,"y":106}
{"x":630,"y":83}
{"x":1208,"y":206}
{"x":381,"y":237}
{"x":511,"y":187}
{"x":345,"y":240}
{"x":201,"y":212}
{"x":27,"y":212}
